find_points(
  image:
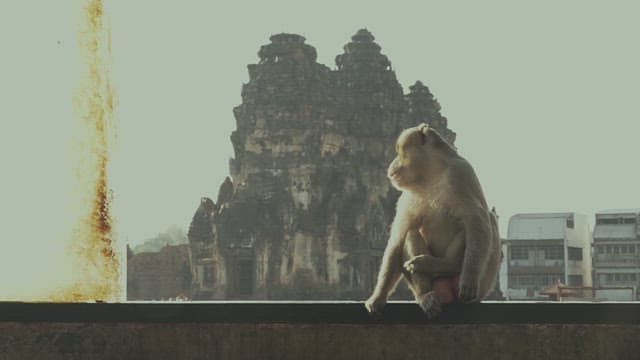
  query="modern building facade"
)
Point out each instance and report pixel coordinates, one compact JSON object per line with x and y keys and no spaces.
{"x":616,"y":245}
{"x":543,"y":249}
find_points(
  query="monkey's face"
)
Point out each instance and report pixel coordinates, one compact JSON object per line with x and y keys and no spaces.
{"x":406,"y":169}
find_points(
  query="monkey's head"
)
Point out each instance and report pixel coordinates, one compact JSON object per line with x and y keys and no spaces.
{"x":415,"y":148}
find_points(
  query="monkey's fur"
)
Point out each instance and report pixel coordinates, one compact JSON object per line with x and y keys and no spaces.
{"x":443,"y":238}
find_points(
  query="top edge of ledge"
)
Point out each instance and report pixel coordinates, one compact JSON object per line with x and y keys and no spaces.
{"x":306,"y":302}
{"x":312,"y":312}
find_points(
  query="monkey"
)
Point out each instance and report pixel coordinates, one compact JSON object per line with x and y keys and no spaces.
{"x":225,"y":192}
{"x":444,"y":240}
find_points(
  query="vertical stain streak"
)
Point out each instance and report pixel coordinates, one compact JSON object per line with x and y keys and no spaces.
{"x":96,"y":265}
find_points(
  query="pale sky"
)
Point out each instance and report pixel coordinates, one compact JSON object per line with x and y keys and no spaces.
{"x":543,"y":97}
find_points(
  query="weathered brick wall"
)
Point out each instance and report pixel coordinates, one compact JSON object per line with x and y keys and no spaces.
{"x":159,"y":275}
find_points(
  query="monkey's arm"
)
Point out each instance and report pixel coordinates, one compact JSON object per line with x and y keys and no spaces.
{"x":390,"y":270}
{"x":478,"y":236}
{"x":388,"y":277}
{"x":450,"y":264}
{"x":391,"y":267}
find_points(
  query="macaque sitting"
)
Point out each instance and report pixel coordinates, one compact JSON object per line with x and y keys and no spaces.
{"x":444,"y":239}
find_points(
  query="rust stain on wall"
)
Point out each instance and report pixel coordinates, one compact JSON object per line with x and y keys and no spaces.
{"x":95,"y":261}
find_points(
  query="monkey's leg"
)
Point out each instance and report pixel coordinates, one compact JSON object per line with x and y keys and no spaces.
{"x":420,"y":283}
{"x":478,"y":245}
{"x":414,"y":246}
{"x":488,"y":279}
{"x":450,"y":264}
{"x":433,"y":265}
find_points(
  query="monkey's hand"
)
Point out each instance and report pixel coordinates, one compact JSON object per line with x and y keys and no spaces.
{"x":469,"y":290}
{"x":375,"y":304}
{"x":416,"y":264}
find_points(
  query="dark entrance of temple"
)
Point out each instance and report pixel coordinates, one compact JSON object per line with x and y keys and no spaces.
{"x":245,"y":277}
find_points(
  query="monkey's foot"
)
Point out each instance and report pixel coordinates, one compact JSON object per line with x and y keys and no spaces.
{"x":469,"y":292}
{"x":416,"y":264}
{"x":430,"y":304}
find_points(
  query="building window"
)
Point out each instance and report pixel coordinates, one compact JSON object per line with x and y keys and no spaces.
{"x":533,"y":281}
{"x":600,"y":249}
{"x":547,"y":280}
{"x":521,"y":281}
{"x":616,"y":221}
{"x":627,"y":249}
{"x":575,"y":253}
{"x":553,"y":253}
{"x":553,"y":279}
{"x":575,"y":280}
{"x":519,"y":252}
{"x":611,"y":221}
{"x":625,"y":277}
{"x":570,"y":222}
{"x":528,"y":280}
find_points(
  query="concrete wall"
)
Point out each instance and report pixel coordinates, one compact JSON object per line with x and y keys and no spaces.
{"x":68,"y":341}
{"x":318,"y":330}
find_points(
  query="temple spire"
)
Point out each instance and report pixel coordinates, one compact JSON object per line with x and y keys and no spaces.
{"x":424,"y":108}
{"x":362,"y":53}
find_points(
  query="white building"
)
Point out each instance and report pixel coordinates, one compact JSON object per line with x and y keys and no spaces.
{"x":616,"y":248}
{"x":542,"y":249}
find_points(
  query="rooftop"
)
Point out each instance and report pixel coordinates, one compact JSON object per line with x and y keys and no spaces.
{"x":538,"y":226}
{"x":618,"y":211}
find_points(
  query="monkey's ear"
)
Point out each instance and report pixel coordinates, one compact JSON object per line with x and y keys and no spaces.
{"x":424,"y":130}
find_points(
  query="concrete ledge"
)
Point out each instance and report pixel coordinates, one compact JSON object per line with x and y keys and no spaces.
{"x":317,"y":331}
{"x":321,"y":313}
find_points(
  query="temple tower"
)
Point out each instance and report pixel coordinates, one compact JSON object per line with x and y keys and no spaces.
{"x":307,"y":209}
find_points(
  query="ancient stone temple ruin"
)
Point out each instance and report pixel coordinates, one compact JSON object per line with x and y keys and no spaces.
{"x":305,"y":213}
